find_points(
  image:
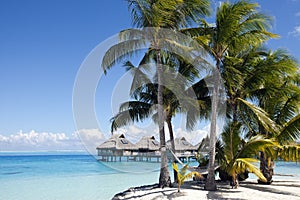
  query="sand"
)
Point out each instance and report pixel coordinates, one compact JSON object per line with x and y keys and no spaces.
{"x":280,"y":189}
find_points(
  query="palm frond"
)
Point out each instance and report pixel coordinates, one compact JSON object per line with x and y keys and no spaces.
{"x":117,"y":53}
{"x":290,"y":131}
{"x":255,"y":145}
{"x":130,"y":112}
{"x":231,"y":139}
{"x":245,"y":164}
{"x":289,"y":153}
{"x":261,"y":116}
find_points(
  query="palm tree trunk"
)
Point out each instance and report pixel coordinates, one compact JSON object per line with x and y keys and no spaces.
{"x":169,"y":122}
{"x":210,"y":183}
{"x":164,"y":177}
{"x":235,"y":183}
{"x":266,"y":168}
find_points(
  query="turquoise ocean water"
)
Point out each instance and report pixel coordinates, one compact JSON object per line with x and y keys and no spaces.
{"x":63,"y":176}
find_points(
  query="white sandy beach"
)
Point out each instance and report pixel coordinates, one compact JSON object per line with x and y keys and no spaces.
{"x":280,"y":189}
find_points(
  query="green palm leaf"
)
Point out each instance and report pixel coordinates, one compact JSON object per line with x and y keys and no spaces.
{"x":261,"y":115}
{"x":132,"y":111}
{"x":255,"y":145}
{"x":290,"y":130}
{"x":245,"y":164}
{"x":290,"y":153}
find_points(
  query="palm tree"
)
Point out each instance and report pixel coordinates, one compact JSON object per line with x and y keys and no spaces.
{"x":238,"y":154}
{"x":144,"y":106}
{"x":144,"y":94}
{"x":280,"y":98}
{"x":268,"y":78}
{"x":243,"y":75}
{"x":238,"y":26}
{"x":172,"y":14}
{"x":182,"y":174}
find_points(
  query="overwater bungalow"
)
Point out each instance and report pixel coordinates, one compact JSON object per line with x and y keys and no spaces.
{"x":203,"y":146}
{"x":116,"y":147}
{"x":148,"y":148}
{"x":119,"y":148}
{"x":182,"y":146}
{"x":184,"y":150}
{"x":148,"y":144}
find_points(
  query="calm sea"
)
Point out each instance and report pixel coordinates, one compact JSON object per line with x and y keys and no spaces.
{"x":63,"y":176}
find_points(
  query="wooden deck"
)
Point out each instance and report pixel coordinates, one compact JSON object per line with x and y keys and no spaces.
{"x":129,"y":158}
{"x":144,"y":158}
{"x":186,"y":157}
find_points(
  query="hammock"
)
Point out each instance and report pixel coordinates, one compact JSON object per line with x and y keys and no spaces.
{"x":192,"y":169}
{"x":174,"y":155}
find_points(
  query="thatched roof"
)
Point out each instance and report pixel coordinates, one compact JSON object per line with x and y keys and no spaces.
{"x":117,"y":142}
{"x":181,"y":144}
{"x":203,"y":146}
{"x":148,"y":142}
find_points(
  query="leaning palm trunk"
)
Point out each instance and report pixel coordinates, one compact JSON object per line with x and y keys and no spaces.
{"x":266,"y":168}
{"x":210,"y":181}
{"x":169,"y":123}
{"x":164,"y":177}
{"x":235,"y":182}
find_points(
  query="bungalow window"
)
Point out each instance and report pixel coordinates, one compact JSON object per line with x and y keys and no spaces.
{"x":124,"y":141}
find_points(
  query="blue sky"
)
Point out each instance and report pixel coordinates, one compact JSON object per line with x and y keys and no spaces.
{"x":43,"y":43}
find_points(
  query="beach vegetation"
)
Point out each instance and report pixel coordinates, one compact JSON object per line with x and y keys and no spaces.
{"x":275,"y":89}
{"x":239,"y":156}
{"x":173,"y":14}
{"x":238,"y":26}
{"x":144,"y":96}
{"x":183,"y":174}
{"x":260,"y":87}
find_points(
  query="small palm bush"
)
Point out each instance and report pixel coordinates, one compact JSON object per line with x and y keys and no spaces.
{"x":183,"y":174}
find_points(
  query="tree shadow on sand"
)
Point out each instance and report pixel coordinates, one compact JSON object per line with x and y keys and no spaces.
{"x":223,"y":188}
{"x":144,"y":188}
{"x":273,"y":188}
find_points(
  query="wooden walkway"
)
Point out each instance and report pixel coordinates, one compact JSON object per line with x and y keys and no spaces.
{"x":144,"y":158}
{"x":130,"y":158}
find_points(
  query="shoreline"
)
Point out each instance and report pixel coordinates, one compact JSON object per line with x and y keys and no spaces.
{"x":280,"y":189}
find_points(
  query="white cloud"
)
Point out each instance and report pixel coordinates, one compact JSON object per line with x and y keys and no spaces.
{"x":134,"y":133}
{"x":83,"y":139}
{"x":194,"y":137}
{"x":91,"y":138}
{"x":295,"y":32}
{"x":39,"y":141}
{"x":134,"y":130}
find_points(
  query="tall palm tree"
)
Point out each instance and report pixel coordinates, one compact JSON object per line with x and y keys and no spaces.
{"x":243,"y":75}
{"x":238,"y":26}
{"x":270,"y":80}
{"x":177,"y":96}
{"x":246,"y":73}
{"x":172,"y":14}
{"x":279,"y":96}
